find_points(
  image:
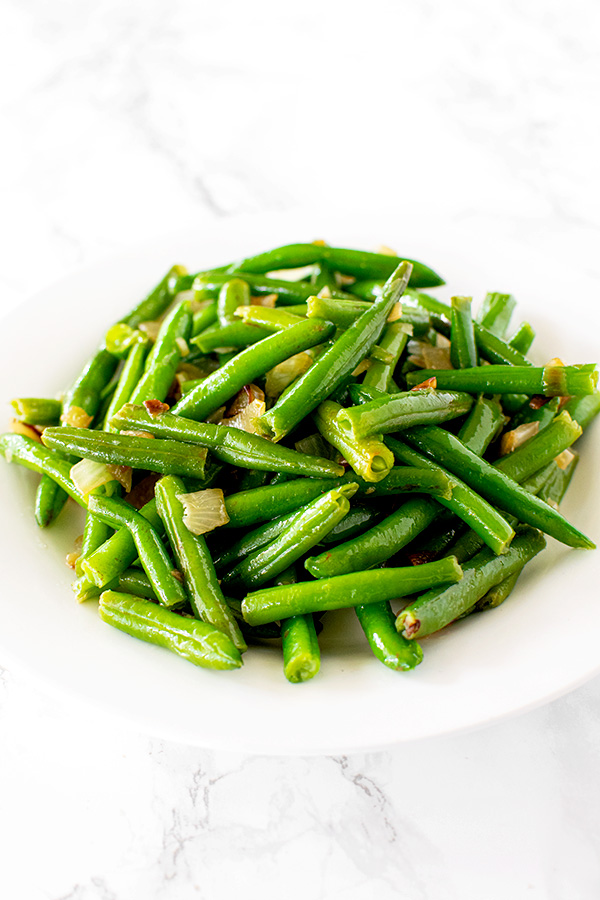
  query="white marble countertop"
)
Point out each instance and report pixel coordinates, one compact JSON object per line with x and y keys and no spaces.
{"x":123,"y":121}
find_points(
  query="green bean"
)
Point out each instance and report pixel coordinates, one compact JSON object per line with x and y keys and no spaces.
{"x":95,"y":533}
{"x":290,"y":292}
{"x":496,"y":350}
{"x":358,"y":263}
{"x":544,"y":415}
{"x":271,"y":319}
{"x":473,"y":509}
{"x":253,"y":540}
{"x":463,"y":353}
{"x":394,"y":339}
{"x":235,"y":335}
{"x":35,"y":456}
{"x":447,"y":450}
{"x":357,"y":521}
{"x":482,"y":425}
{"x":120,"y":338}
{"x":194,"y":562}
{"x":323,"y":277}
{"x":253,"y":478}
{"x":307,"y":528}
{"x":271,"y":604}
{"x":224,"y":384}
{"x":523,"y":338}
{"x":496,"y":312}
{"x":168,"y":457}
{"x":158,"y":300}
{"x":136,"y":582}
{"x":332,"y":367}
{"x":552,"y":381}
{"x":369,"y":457}
{"x":113,"y":557}
{"x":204,"y":317}
{"x":438,"y":608}
{"x":152,"y":554}
{"x":584,"y":409}
{"x":555,"y":487}
{"x":394,"y":651}
{"x":200,"y":643}
{"x":234,"y":293}
{"x":231,"y":445}
{"x":379,"y":543}
{"x":165,"y":356}
{"x":36,"y":410}
{"x":263,"y":503}
{"x":130,"y":376}
{"x":301,"y":654}
{"x":403,"y":410}
{"x":430,"y":304}
{"x":367,"y":288}
{"x":540,"y":449}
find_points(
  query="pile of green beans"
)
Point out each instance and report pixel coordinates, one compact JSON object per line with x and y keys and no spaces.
{"x":301,"y":409}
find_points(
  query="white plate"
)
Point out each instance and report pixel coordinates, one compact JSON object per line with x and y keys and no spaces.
{"x":543,"y":642}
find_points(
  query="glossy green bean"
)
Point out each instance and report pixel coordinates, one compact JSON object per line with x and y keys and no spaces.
{"x":332,"y":367}
{"x":552,"y":381}
{"x":136,"y":582}
{"x":165,"y":456}
{"x":272,"y":604}
{"x":194,"y":562}
{"x":584,"y":409}
{"x":158,"y":300}
{"x":359,"y":263}
{"x":394,"y":651}
{"x":165,"y":356}
{"x":251,"y":541}
{"x":369,"y":457}
{"x":496,"y":350}
{"x":270,"y":318}
{"x":468,"y":505}
{"x":543,"y":415}
{"x":307,"y":528}
{"x":233,"y":294}
{"x":492,"y":484}
{"x":289,"y":292}
{"x":224,"y":384}
{"x":113,"y":557}
{"x":35,"y":456}
{"x":394,"y":339}
{"x":36,"y":410}
{"x":483,"y":424}
{"x":357,"y":521}
{"x":438,"y":608}
{"x":130,"y":376}
{"x":379,"y":543}
{"x":235,"y":335}
{"x":540,"y":449}
{"x":204,"y":317}
{"x":463,"y":352}
{"x":153,"y":556}
{"x":200,"y":643}
{"x":403,"y":410}
{"x":231,"y":445}
{"x":523,"y":338}
{"x":496,"y":312}
{"x":301,"y":654}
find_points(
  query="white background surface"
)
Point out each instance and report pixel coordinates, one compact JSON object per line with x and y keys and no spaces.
{"x":122,"y":121}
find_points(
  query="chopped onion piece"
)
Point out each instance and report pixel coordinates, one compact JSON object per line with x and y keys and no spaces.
{"x":245,"y":420}
{"x":182,"y":345}
{"x":555,"y":361}
{"x":363,"y":365}
{"x":150,"y":328}
{"x":122,"y":474}
{"x":72,"y":557}
{"x":217,"y":416}
{"x":396,"y":313}
{"x":436,"y":357}
{"x":386,"y":251}
{"x":441,"y":340}
{"x":287,"y":371}
{"x":268,"y":300}
{"x":156,"y":407}
{"x":428,"y":383}
{"x":515,"y":438}
{"x":325,"y":292}
{"x":564,"y":459}
{"x":144,"y":434}
{"x":87,"y":475}
{"x":76,"y":417}
{"x":26,"y":430}
{"x":190,"y":296}
{"x":291,"y":274}
{"x":198,"y":305}
{"x":344,"y":280}
{"x":203,"y":511}
{"x":320,"y":243}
